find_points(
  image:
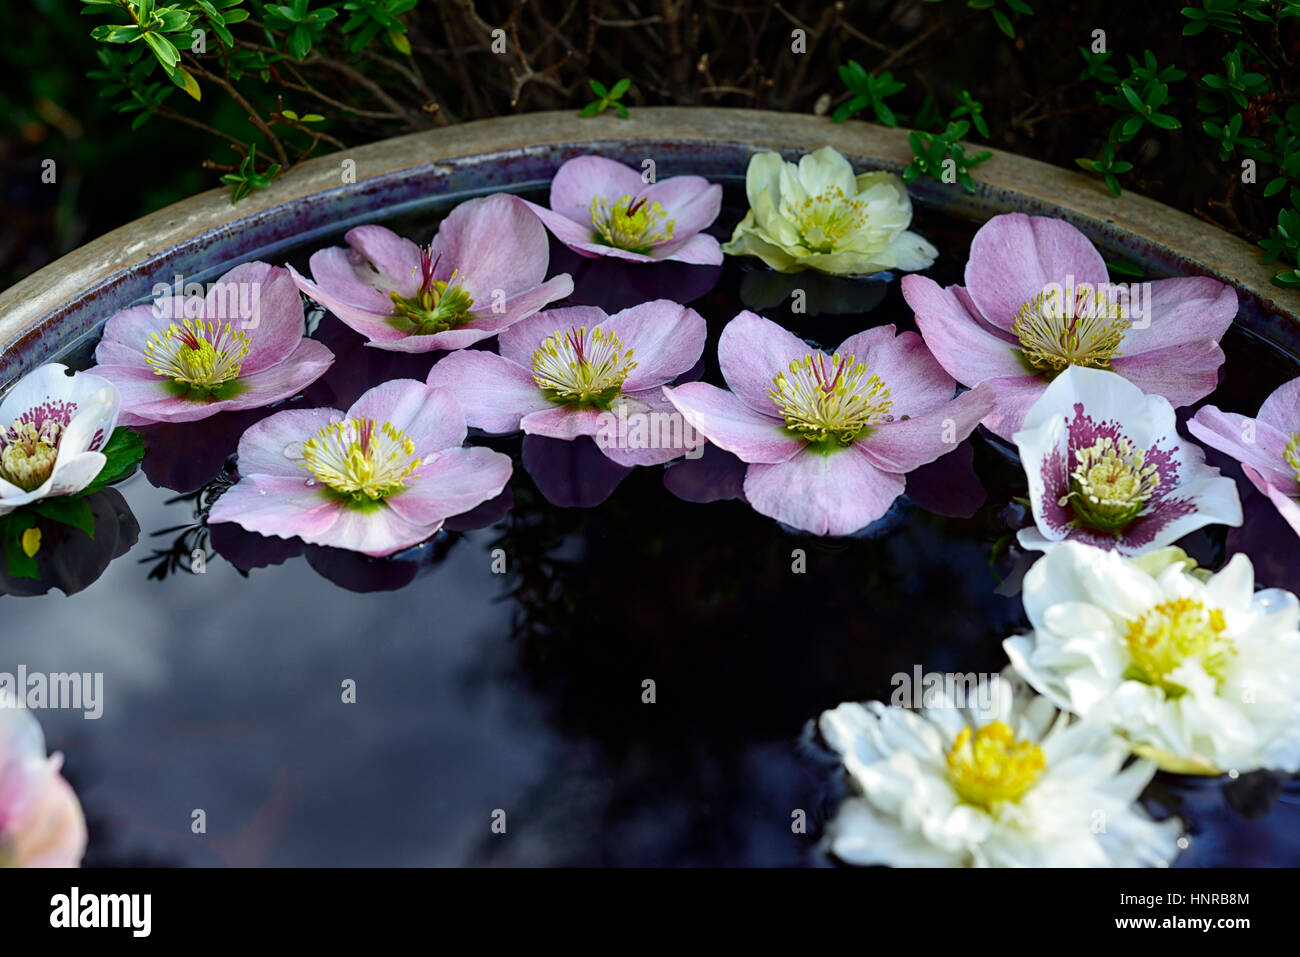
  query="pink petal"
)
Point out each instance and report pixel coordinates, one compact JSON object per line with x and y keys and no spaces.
{"x":307,"y":363}
{"x":833,"y":494}
{"x":519,"y":307}
{"x":903,"y":445}
{"x":1287,"y":505}
{"x":658,"y":426}
{"x":964,"y":345}
{"x":1012,"y":400}
{"x":1282,"y":408}
{"x":521,"y":340}
{"x":273,"y":320}
{"x":915,"y":379}
{"x":1228,"y":431}
{"x":279,"y":506}
{"x":583,"y":178}
{"x":373,"y":325}
{"x":1183,"y":374}
{"x":375,"y":532}
{"x":577,"y":235}
{"x":562,"y":422}
{"x":1183,"y":310}
{"x":396,"y":258}
{"x":333,"y":269}
{"x":125,"y":335}
{"x":454,"y":482}
{"x":730,"y":424}
{"x":430,"y":417}
{"x":1014,"y":256}
{"x":666,"y":339}
{"x":571,"y":474}
{"x":264,"y":446}
{"x":700,"y":249}
{"x":751,"y":351}
{"x":494,"y":392}
{"x":496,"y":243}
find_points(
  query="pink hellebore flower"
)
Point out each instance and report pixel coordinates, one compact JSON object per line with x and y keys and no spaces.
{"x":829,"y":438}
{"x":41,"y":823}
{"x":483,"y":272}
{"x":603,"y":208}
{"x":376,"y":479}
{"x":1267,"y":446}
{"x":1107,"y":468}
{"x":239,"y":347}
{"x":1015,"y":323}
{"x":52,"y":428}
{"x":577,"y":371}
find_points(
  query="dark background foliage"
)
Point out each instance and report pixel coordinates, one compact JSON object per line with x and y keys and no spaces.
{"x":1181,"y":97}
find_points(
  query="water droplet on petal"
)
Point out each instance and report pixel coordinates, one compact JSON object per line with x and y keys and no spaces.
{"x":293,"y":451}
{"x":310,"y":482}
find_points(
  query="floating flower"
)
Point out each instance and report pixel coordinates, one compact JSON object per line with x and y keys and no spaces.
{"x":1267,"y":446}
{"x":1038,"y":299}
{"x":1107,"y":467}
{"x":815,"y":214}
{"x":829,"y":438}
{"x":577,"y":371}
{"x":1014,"y":785}
{"x":52,"y":428}
{"x":41,"y":823}
{"x":241,"y":346}
{"x":603,"y":208}
{"x":483,"y":272}
{"x":1200,"y":673}
{"x":376,"y":479}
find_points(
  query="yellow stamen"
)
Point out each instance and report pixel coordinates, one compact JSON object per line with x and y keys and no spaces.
{"x":200,"y":354}
{"x":1292,"y":454}
{"x":1111,"y":484}
{"x":29,"y":453}
{"x":574,"y":367}
{"x":632,"y":224}
{"x":1173,"y":632}
{"x":360,"y":458}
{"x":827,"y":218}
{"x":1054,"y":335}
{"x":830,"y":398}
{"x":992,"y":765}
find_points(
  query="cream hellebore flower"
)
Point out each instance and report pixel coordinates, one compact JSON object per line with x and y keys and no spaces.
{"x":1198,"y":672}
{"x":41,"y":822}
{"x":1013,"y":784}
{"x":815,"y":214}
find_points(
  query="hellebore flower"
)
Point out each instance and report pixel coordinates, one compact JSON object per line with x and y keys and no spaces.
{"x":483,"y":272}
{"x":239,"y":347}
{"x":815,"y":214}
{"x":1014,"y":784}
{"x":52,"y":427}
{"x":1038,"y":299}
{"x":1107,"y":467}
{"x":829,"y":438}
{"x":41,"y":823}
{"x":1267,"y":446}
{"x":1199,"y":673}
{"x":603,"y":208}
{"x":571,"y":372}
{"x":376,"y":479}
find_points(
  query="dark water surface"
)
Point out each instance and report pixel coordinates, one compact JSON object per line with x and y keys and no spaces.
{"x":521,"y":692}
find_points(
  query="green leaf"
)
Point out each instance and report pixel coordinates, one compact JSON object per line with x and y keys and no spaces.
{"x":621,"y":87}
{"x":185,"y":80}
{"x":598,"y":88}
{"x":1004,"y":23}
{"x":592,"y":108}
{"x":17,"y":562}
{"x":67,"y":510}
{"x":125,"y":447}
{"x":401,"y":43}
{"x":162,"y":48}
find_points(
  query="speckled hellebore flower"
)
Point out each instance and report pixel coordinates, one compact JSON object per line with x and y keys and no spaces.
{"x":1267,"y":446}
{"x":376,"y":479}
{"x":571,"y":372}
{"x":1200,"y":673}
{"x":1038,"y":299}
{"x":1016,"y":785}
{"x":603,"y":208}
{"x":483,"y":272}
{"x":816,"y":214}
{"x":41,"y":822}
{"x":52,"y":427}
{"x":240,"y":346}
{"x":1107,"y":467}
{"x":829,"y":438}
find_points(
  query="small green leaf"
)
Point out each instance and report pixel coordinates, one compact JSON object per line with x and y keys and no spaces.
{"x":123,"y":450}
{"x":67,"y":510}
{"x":17,"y":562}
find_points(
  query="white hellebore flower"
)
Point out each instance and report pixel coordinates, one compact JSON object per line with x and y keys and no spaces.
{"x":52,"y":426}
{"x":1198,"y":672}
{"x":1107,"y":467}
{"x":1015,"y":785}
{"x":815,"y":214}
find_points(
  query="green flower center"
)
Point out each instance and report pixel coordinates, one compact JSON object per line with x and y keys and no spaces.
{"x":830,"y":400}
{"x":29,"y":453}
{"x":631,"y":223}
{"x":438,"y":305}
{"x":992,"y":765}
{"x":199,"y":355}
{"x":827,"y":218}
{"x":1053,"y":337}
{"x":1110,"y":485}
{"x":577,"y":368}
{"x":360,"y":458}
{"x":1174,"y":632}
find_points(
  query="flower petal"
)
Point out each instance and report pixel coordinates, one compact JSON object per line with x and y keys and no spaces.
{"x":906,"y":444}
{"x":751,"y":351}
{"x":667,"y":339}
{"x":494,"y":392}
{"x":454,"y":482}
{"x":833,"y":494}
{"x":730,"y":424}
